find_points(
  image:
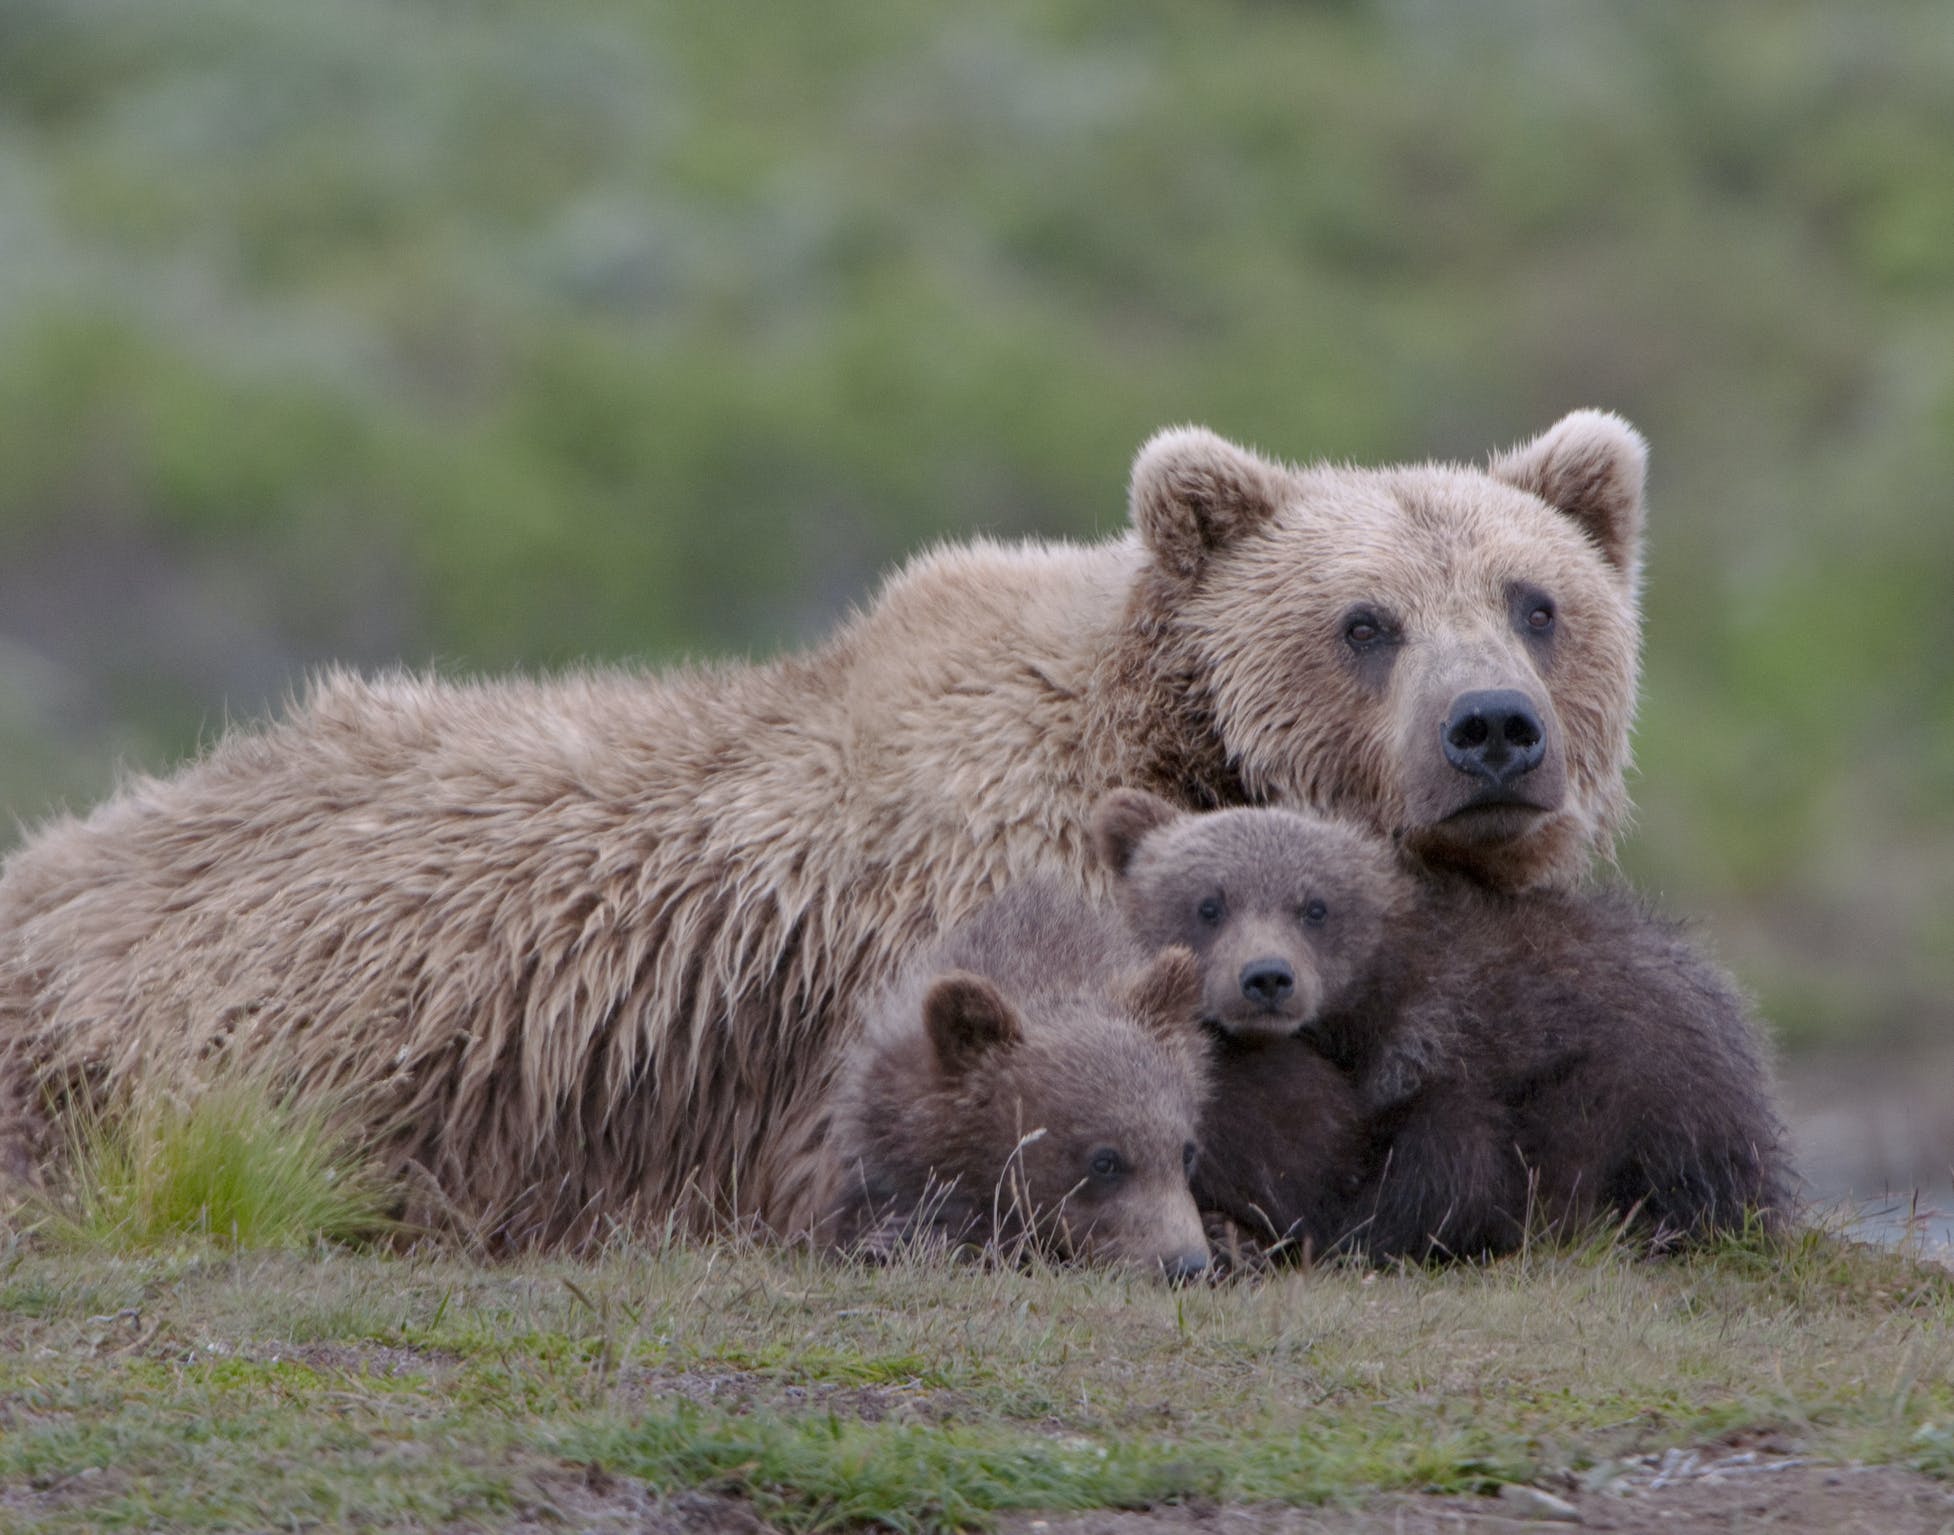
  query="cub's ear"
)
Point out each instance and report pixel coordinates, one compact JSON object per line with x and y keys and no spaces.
{"x":1121,"y":819}
{"x":1591,"y":466}
{"x":968,"y":1018}
{"x":1166,"y":996}
{"x":1193,"y":492}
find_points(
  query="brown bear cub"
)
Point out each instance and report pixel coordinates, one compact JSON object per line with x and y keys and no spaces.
{"x":1464,"y":1061}
{"x":1034,"y":1081}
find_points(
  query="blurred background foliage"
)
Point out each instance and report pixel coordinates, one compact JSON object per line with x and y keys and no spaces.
{"x":488,"y":335}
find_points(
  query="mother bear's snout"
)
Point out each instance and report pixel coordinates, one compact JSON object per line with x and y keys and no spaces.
{"x":1494,"y":735}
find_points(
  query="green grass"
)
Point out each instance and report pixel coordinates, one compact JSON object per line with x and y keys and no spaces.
{"x":235,"y":1391}
{"x":234,"y":1165}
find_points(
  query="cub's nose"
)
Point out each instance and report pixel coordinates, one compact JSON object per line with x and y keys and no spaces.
{"x":1267,"y":982}
{"x":1494,"y":735}
{"x":1184,"y":1267}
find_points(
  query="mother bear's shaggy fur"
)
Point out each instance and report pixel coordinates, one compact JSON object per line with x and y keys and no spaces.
{"x":587,"y":948}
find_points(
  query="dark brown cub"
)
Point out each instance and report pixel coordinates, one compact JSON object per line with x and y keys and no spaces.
{"x":1465,"y":1061}
{"x":1038,"y":1080}
{"x":1278,"y":938}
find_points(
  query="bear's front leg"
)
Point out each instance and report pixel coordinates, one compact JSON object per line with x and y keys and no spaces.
{"x":1282,"y":1152}
{"x":1447,"y":1180}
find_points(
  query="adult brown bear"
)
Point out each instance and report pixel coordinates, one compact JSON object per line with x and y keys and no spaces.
{"x":588,"y":947}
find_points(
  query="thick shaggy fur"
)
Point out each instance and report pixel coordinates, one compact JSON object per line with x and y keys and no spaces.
{"x":1556,"y":1056}
{"x":1257,"y":645}
{"x":1037,"y":1077}
{"x":588,"y":949}
{"x":1478,"y":1060}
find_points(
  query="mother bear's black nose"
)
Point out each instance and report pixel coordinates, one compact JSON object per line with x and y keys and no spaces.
{"x":1267,"y":981}
{"x":1494,"y":734}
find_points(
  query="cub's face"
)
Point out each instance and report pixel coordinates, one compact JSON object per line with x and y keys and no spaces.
{"x":1285,"y":912}
{"x":1108,"y":1179}
{"x":1446,"y":654}
{"x":1078,"y":1126}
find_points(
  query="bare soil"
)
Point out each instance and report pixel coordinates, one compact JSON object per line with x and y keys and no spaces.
{"x":1747,"y":1494}
{"x":1742,"y":1492}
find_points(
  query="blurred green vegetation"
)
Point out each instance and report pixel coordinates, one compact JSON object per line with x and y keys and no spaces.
{"x":491,"y":335}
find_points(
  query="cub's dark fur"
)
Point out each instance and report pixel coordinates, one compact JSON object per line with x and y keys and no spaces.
{"x":1487,"y":1060}
{"x":1040,"y":1077}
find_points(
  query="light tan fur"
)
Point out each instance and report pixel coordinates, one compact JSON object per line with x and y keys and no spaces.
{"x":588,"y":947}
{"x":1262,"y":569}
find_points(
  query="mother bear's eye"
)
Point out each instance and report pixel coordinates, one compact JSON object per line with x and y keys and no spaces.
{"x":1368,"y":629}
{"x":1534,"y":613}
{"x":1314,"y":911}
{"x":1209,"y":911}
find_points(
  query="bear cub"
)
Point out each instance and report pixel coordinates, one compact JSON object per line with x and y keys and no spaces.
{"x":1423,"y":1067}
{"x":1036,"y":1080}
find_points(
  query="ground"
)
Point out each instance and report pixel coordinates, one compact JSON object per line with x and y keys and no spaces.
{"x":719,"y":1388}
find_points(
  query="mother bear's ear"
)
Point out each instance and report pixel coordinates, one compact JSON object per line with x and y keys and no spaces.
{"x":1193,"y":492}
{"x":1590,"y":465}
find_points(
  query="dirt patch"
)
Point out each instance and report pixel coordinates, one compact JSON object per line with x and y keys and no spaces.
{"x":745,"y":1390}
{"x":592,"y":1502}
{"x":1743,"y":1491}
{"x":1746,"y":1491}
{"x":366,"y":1359}
{"x":54,"y":1498}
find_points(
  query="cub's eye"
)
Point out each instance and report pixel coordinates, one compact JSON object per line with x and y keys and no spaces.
{"x":1363,"y":629}
{"x":1209,"y":911}
{"x":1106,"y":1163}
{"x":1540,"y":617}
{"x":1190,"y":1154}
{"x":1314,"y":911}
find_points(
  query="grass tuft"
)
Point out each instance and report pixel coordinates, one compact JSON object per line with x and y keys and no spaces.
{"x":236,"y":1166}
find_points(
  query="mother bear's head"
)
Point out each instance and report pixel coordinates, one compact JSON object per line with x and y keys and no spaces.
{"x":1446,"y":652}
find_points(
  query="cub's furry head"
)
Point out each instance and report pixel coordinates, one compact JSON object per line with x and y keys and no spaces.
{"x":1048,"y":1103}
{"x":1448,"y":654}
{"x":1285,"y":912}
